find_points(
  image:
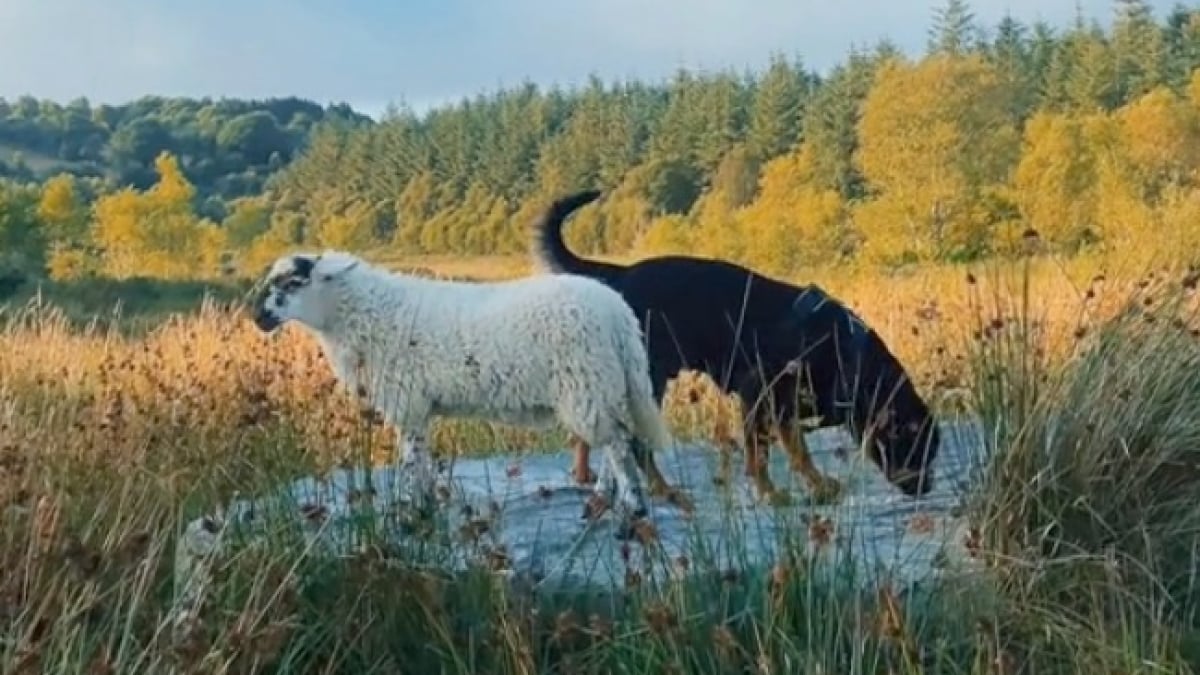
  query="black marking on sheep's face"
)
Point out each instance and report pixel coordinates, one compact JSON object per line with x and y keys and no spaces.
{"x":279,"y":288}
{"x":303,"y":267}
{"x":293,"y":281}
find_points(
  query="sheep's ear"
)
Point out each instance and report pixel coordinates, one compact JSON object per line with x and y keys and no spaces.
{"x":331,"y":265}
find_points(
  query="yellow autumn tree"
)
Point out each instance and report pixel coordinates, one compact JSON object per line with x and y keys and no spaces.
{"x":1056,"y":180}
{"x":1160,"y":135}
{"x":61,"y":210}
{"x":352,"y":229}
{"x":155,"y":233}
{"x":935,"y":140}
{"x":468,"y":233}
{"x":1152,"y":176}
{"x":794,"y":222}
{"x":624,"y":217}
{"x":666,"y":235}
{"x":1125,"y":223}
{"x":413,"y":208}
{"x":283,"y":235}
{"x":65,"y":219}
{"x":714,"y":230}
{"x":496,"y":232}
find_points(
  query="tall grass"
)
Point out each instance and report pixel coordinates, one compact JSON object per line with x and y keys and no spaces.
{"x":1083,"y":515}
{"x":1087,"y":508}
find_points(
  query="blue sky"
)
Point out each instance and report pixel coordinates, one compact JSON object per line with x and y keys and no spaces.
{"x":370,"y":52}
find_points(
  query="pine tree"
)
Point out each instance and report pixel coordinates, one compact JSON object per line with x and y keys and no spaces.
{"x":953,"y":30}
{"x":1138,"y":50}
{"x":1010,"y":52}
{"x":776,"y":113}
{"x":1182,"y":45}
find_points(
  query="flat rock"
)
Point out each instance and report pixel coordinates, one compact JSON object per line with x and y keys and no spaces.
{"x":528,"y":508}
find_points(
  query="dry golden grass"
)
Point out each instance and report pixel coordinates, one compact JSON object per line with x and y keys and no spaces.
{"x":212,"y":373}
{"x":209,"y":379}
{"x":103,"y":438}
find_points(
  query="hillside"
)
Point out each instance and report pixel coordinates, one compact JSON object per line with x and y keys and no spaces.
{"x":228,"y":147}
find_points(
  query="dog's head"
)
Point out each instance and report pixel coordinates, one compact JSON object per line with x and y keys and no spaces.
{"x":904,"y":440}
{"x":298,"y":288}
{"x":900,"y":432}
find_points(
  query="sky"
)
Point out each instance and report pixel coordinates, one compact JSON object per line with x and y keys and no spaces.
{"x":427,"y":52}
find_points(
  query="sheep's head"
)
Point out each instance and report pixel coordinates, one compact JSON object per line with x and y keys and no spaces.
{"x":297,"y":289}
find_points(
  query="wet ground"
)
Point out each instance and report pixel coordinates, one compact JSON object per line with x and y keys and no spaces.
{"x":537,"y":522}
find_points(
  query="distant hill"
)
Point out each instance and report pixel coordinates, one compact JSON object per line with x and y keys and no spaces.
{"x":227,"y":147}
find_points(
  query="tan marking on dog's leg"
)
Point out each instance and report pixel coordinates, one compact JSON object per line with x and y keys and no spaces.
{"x":726,"y":444}
{"x":825,"y":489}
{"x":758,"y":448}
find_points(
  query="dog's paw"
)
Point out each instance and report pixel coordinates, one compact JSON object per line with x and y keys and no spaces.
{"x":773,"y":496}
{"x":679,"y":498}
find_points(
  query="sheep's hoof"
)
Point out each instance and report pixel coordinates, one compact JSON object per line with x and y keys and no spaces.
{"x":594,"y":507}
{"x":636,"y":526}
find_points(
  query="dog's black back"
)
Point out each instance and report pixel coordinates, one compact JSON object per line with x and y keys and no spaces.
{"x":753,"y":334}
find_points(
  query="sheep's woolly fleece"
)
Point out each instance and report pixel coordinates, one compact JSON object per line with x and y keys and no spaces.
{"x":528,"y":351}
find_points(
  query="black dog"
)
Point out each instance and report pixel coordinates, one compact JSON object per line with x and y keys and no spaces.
{"x":754,"y":335}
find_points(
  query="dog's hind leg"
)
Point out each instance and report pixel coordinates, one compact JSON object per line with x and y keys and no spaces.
{"x":657,"y":485}
{"x":824,"y":489}
{"x":756,"y":430}
{"x":725,"y":441}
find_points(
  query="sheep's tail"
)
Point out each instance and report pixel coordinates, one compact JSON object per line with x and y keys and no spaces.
{"x":646,"y":414}
{"x":550,"y":252}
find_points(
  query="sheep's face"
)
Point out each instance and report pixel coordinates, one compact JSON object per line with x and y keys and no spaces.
{"x":297,"y":289}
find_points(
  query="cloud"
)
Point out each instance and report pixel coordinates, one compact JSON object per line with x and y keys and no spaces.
{"x":426,"y":51}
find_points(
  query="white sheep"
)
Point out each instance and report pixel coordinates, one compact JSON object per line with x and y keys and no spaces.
{"x":529,"y":351}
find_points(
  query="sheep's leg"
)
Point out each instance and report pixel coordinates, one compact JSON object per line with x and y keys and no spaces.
{"x":581,"y":470}
{"x":604,"y":491}
{"x":417,"y":469}
{"x":631,"y":496}
{"x":617,"y":485}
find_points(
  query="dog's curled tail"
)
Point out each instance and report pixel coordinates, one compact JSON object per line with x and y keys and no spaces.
{"x":550,"y":251}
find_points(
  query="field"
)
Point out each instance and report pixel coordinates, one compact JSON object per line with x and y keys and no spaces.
{"x":1085,"y":375}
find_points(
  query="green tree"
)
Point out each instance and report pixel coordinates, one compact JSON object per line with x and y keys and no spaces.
{"x":953,"y":31}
